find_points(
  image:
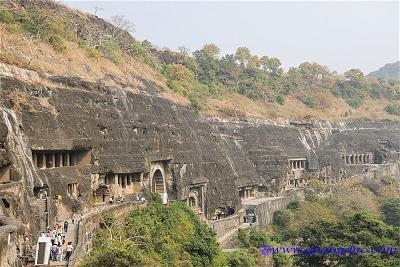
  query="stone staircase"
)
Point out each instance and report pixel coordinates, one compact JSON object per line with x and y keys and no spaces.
{"x":42,"y":209}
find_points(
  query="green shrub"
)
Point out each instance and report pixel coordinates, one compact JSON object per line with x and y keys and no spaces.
{"x":310,"y":195}
{"x":354,"y":102}
{"x":282,"y":217}
{"x":393,"y":109}
{"x":240,"y":259}
{"x":280,"y":99}
{"x":258,"y":239}
{"x":361,"y":230}
{"x":112,"y":52}
{"x":107,"y":220}
{"x":140,"y":51}
{"x":156,"y":235}
{"x":44,"y":22}
{"x":123,"y":253}
{"x":282,"y":259}
{"x":137,"y":50}
{"x":195,"y":103}
{"x":6,"y":16}
{"x":243,"y":236}
{"x":287,"y":234}
{"x":391,"y":211}
{"x":30,"y":27}
{"x":57,"y":42}
{"x":386,"y":180}
{"x":94,"y":53}
{"x":216,"y":89}
{"x":177,"y":87}
{"x":252,"y":94}
{"x":293,"y":204}
{"x":309,"y":101}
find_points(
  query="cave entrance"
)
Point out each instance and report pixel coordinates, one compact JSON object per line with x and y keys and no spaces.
{"x":192,"y":202}
{"x":45,"y":159}
{"x":101,"y":194}
{"x":158,"y":182}
{"x":6,"y":203}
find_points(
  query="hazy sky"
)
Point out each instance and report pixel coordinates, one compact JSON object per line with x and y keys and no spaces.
{"x":340,"y":35}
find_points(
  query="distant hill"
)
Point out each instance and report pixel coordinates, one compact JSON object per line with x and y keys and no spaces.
{"x":390,"y":71}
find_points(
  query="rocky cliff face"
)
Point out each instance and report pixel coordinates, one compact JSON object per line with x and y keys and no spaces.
{"x":125,"y":132}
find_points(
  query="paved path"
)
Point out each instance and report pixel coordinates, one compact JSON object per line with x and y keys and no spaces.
{"x":69,"y":237}
{"x":72,"y":231}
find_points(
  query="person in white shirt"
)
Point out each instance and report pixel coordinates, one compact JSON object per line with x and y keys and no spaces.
{"x":60,"y":251}
{"x":69,"y":251}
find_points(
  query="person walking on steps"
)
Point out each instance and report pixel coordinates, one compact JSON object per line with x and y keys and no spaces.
{"x":53,"y":252}
{"x":65,"y":226}
{"x":69,"y":251}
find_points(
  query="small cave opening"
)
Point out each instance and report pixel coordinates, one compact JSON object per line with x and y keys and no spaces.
{"x":6,"y":203}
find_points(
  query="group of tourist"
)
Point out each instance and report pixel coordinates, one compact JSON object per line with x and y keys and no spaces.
{"x":120,"y":199}
{"x":58,"y":247}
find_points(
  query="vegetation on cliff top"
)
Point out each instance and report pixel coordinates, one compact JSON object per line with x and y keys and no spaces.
{"x":240,"y":84}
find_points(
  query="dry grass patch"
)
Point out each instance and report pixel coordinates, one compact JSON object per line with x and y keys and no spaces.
{"x":25,"y":51}
{"x":236,"y":104}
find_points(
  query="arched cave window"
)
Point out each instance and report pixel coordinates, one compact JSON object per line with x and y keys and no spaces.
{"x":158,"y":182}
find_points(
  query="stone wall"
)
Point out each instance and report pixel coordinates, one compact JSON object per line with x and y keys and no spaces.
{"x":264,"y":208}
{"x":223,"y":226}
{"x":10,"y":238}
{"x":390,"y":169}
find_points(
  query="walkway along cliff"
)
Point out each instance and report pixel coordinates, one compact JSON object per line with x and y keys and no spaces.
{"x":88,"y":142}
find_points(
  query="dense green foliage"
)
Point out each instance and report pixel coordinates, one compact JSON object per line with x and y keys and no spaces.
{"x":393,"y":109}
{"x":240,"y":258}
{"x":263,"y":78}
{"x":154,"y":236}
{"x":391,"y":211}
{"x":293,"y":204}
{"x":360,"y":230}
{"x":282,"y":217}
{"x":250,"y":255}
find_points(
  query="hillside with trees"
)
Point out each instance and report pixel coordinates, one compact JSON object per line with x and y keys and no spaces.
{"x":48,"y":37}
{"x":389,"y":72}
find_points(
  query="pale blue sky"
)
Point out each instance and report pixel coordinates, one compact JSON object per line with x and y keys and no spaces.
{"x":340,"y":35}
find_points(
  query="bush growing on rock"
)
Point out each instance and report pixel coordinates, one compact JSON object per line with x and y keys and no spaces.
{"x":391,"y":211}
{"x":393,"y":109}
{"x":243,"y":236}
{"x":293,"y":204}
{"x":258,"y":239}
{"x":282,"y":217}
{"x":57,"y":42}
{"x":240,"y":259}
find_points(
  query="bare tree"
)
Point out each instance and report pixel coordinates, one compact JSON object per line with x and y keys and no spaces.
{"x":122,"y":25}
{"x":96,"y":9}
{"x":184,"y":51}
